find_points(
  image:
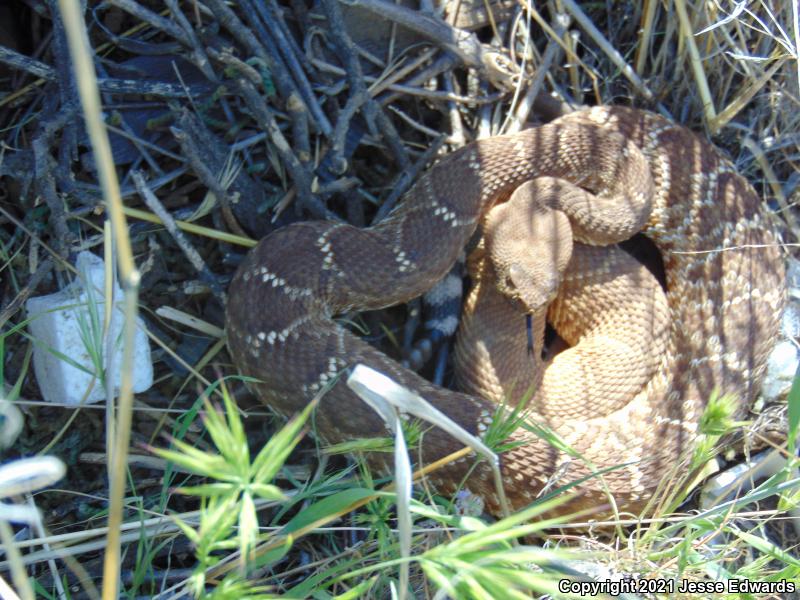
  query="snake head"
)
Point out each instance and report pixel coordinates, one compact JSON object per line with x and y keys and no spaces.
{"x":531,"y":285}
{"x":529,"y":246}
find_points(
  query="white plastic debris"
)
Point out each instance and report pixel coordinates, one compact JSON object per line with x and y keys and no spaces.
{"x":781,"y":368}
{"x":793,"y":277}
{"x":69,"y":346}
{"x":783,"y":361}
{"x":738,"y":481}
{"x":10,"y":423}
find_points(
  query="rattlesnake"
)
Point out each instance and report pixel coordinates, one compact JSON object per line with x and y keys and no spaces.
{"x":724,"y":280}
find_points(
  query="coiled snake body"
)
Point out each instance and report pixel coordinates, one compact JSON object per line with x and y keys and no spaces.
{"x":724,"y":292}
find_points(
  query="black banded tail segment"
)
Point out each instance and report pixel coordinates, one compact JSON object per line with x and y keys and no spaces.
{"x":441,"y":310}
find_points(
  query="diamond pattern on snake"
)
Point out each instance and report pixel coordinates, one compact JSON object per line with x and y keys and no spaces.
{"x":643,"y":361}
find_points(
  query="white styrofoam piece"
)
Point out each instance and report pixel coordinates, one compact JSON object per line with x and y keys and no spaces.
{"x":59,"y":324}
{"x":781,"y":369}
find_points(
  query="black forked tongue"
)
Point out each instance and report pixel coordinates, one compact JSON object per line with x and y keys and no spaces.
{"x":529,"y":331}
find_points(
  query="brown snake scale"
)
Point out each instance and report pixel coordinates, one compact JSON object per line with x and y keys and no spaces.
{"x":711,"y":330}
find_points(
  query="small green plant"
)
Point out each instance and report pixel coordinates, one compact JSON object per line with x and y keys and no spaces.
{"x":488,"y":562}
{"x":228,"y":519}
{"x":716,"y":421}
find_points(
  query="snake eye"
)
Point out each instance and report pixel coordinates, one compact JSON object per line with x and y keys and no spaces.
{"x":516,"y":276}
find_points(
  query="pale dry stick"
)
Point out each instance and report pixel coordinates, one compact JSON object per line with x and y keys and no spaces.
{"x":187,"y":320}
{"x":571,"y":39}
{"x":460,"y":43}
{"x":782,"y":39}
{"x":445,"y":95}
{"x":139,"y":406}
{"x":525,"y":106}
{"x":425,"y":6}
{"x":164,"y":524}
{"x":15,"y":562}
{"x":420,"y":127}
{"x":745,"y":96}
{"x":552,"y":35}
{"x":444,"y":63}
{"x":742,"y":35}
{"x":213,"y":234}
{"x":342,"y":128}
{"x":226,"y":58}
{"x":796,"y":28}
{"x":77,"y":569}
{"x":301,"y":137}
{"x":108,"y":84}
{"x":773,"y":182}
{"x":161,"y":525}
{"x":645,"y":35}
{"x":456,"y":136}
{"x":109,"y":341}
{"x":663,"y":64}
{"x":144,"y":461}
{"x":394,"y":74}
{"x":612,"y":53}
{"x":192,"y":255}
{"x":521,"y":68}
{"x":411,"y":90}
{"x":142,"y":144}
{"x":6,"y":592}
{"x":217,"y":178}
{"x":79,"y":549}
{"x":697,"y":66}
{"x":338,"y":186}
{"x":155,"y":20}
{"x":129,"y":276}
